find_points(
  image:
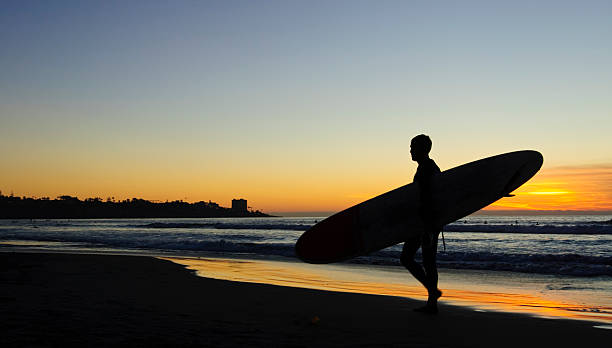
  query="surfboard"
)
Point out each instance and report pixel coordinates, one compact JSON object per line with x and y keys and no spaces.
{"x":392,"y":217}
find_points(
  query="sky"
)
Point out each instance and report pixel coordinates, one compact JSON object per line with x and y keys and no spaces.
{"x":301,"y":105}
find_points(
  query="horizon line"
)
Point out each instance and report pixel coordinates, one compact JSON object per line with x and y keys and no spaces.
{"x":480,"y":212}
{"x":326,"y":213}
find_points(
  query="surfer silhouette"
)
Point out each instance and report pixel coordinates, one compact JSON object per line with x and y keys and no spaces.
{"x":428,"y":241}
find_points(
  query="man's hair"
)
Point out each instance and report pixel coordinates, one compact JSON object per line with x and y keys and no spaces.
{"x":423,"y":142}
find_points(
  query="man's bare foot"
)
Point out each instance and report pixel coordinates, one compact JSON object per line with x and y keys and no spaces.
{"x":435,"y":295}
{"x":432,"y":302}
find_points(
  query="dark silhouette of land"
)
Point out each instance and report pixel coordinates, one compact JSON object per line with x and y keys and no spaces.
{"x":68,"y":207}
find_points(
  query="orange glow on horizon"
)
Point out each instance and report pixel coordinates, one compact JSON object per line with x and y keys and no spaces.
{"x":563,"y":188}
{"x":298,"y":189}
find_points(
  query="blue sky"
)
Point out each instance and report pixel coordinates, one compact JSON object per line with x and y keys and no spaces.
{"x":321,"y":93}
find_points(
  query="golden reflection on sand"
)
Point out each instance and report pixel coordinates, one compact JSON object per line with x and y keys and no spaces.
{"x":322,"y":277}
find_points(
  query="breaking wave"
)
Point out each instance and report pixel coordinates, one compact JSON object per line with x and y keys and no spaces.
{"x":595,"y":227}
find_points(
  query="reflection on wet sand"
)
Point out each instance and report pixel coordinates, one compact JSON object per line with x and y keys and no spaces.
{"x":334,"y":278}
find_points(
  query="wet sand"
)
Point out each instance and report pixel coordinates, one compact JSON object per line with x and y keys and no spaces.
{"x":101,"y":300}
{"x":481,"y":290}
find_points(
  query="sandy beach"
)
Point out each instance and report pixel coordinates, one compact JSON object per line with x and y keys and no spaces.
{"x":99,"y":300}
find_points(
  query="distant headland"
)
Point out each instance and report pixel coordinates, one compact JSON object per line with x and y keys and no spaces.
{"x":68,"y":207}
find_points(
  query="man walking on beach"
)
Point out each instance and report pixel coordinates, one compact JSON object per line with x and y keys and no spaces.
{"x":428,"y":241}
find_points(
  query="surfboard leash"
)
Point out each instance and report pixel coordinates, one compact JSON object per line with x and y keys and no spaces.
{"x":443,"y":241}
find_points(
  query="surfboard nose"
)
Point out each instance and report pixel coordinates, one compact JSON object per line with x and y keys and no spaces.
{"x":532,"y":162}
{"x":536,"y":159}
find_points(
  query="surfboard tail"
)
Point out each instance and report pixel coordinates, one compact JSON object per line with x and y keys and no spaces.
{"x":331,"y":240}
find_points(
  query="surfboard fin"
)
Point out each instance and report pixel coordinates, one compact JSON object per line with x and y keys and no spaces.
{"x":509,"y":195}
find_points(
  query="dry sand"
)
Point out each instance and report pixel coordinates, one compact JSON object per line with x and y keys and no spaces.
{"x":99,"y":300}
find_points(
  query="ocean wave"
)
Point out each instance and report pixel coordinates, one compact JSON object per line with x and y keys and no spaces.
{"x":573,"y":264}
{"x":590,"y":228}
{"x":557,"y":264}
{"x":593,"y":227}
{"x":227,"y":226}
{"x":565,"y":287}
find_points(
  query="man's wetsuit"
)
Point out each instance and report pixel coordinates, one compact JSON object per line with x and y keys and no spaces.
{"x":428,"y":241}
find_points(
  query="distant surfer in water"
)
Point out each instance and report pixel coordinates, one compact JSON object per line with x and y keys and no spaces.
{"x":428,"y":241}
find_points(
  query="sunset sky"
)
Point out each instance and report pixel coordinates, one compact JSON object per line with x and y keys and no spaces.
{"x":301,"y":106}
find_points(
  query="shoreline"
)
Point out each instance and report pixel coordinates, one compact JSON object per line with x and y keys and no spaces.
{"x":62,"y":299}
{"x":496,"y":291}
{"x":537,"y":295}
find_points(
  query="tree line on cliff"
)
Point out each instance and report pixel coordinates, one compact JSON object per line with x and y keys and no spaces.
{"x":68,"y":207}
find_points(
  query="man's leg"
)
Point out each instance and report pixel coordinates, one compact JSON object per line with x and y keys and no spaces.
{"x":407,"y":259}
{"x":429,"y":250}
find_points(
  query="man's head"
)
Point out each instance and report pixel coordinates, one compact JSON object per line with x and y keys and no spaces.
{"x":420,"y":147}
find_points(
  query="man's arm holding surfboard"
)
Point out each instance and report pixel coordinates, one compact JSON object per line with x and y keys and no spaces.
{"x":423,"y":179}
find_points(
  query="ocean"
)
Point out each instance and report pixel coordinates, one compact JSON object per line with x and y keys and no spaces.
{"x":568,"y":258}
{"x":557,"y":245}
